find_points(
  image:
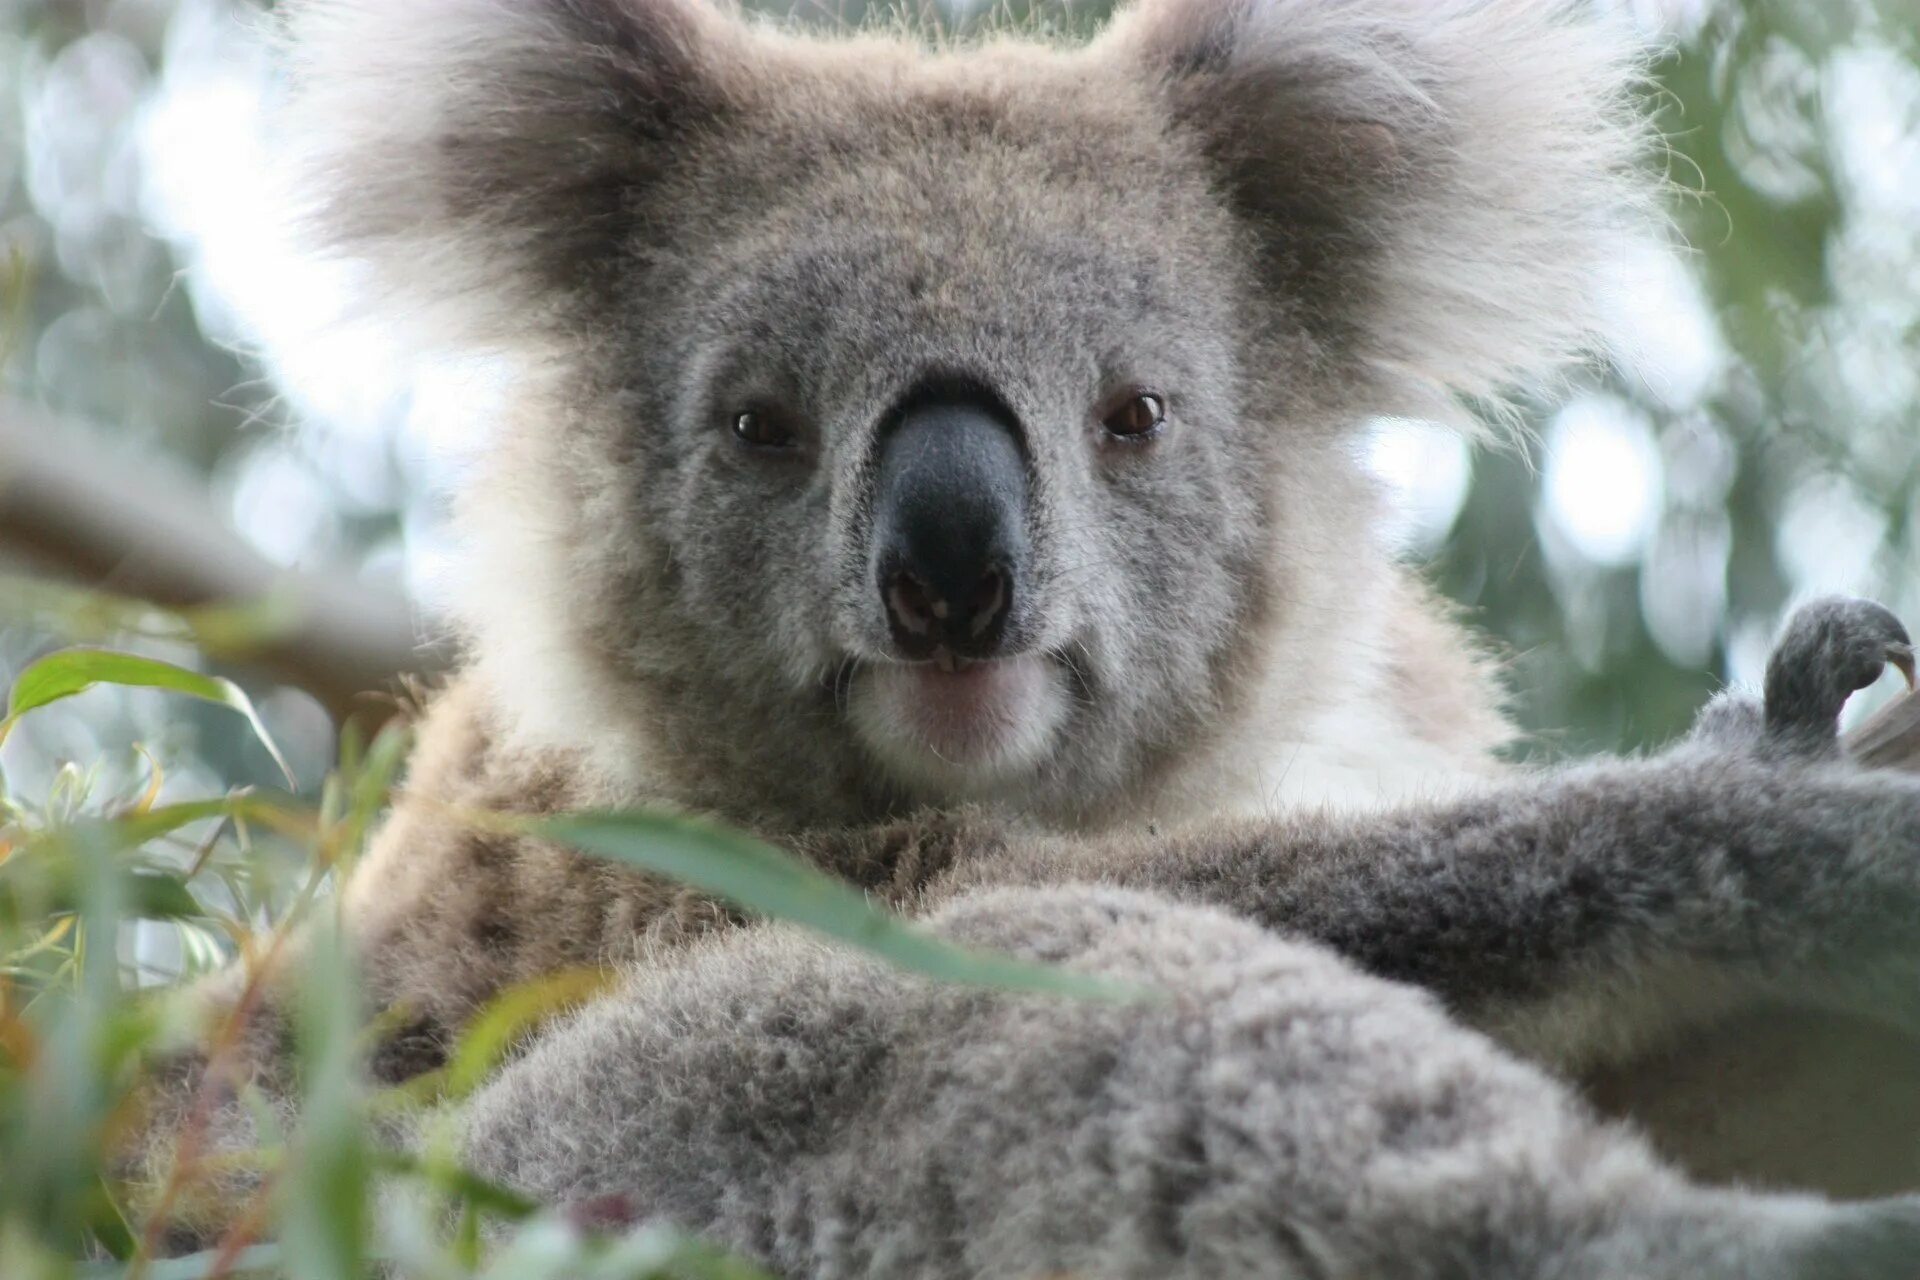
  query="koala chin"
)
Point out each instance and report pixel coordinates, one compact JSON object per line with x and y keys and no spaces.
{"x":967,"y":731}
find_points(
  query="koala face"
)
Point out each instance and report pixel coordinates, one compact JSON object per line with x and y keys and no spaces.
{"x":967,"y":480}
{"x":907,"y":426}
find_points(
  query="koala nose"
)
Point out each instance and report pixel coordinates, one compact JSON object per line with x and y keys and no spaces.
{"x":950,"y":529}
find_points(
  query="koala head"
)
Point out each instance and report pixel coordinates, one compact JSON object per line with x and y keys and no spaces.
{"x":899,"y":424}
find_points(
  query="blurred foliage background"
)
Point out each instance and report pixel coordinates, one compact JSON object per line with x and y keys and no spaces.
{"x":1756,"y":440}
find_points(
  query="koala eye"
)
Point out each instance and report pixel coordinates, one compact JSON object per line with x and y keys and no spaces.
{"x":1138,"y":417}
{"x":764,"y":429}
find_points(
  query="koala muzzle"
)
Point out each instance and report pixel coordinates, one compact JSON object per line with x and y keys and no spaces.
{"x":950,"y":530}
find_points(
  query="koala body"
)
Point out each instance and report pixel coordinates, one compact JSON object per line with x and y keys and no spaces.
{"x":1266,"y":224}
{"x":942,"y":462}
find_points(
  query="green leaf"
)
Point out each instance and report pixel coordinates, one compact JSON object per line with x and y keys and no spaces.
{"x":763,"y":879}
{"x":131,"y":830}
{"x":70,"y":671}
{"x":158,"y":896}
{"x":108,"y":1223}
{"x":326,"y":1192}
{"x":45,"y":876}
{"x":508,"y":1017}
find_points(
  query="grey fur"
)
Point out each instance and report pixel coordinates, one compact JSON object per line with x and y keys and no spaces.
{"x":1275,"y":1114}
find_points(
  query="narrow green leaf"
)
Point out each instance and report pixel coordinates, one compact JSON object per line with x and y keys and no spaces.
{"x":70,"y":671}
{"x":766,"y":880}
{"x":508,"y":1017}
{"x":158,"y":896}
{"x":131,"y":830}
{"x":326,"y":1192}
{"x":47,"y":876}
{"x":108,"y":1223}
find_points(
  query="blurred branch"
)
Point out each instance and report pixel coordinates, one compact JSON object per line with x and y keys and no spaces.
{"x":1890,"y":738}
{"x":91,"y":517}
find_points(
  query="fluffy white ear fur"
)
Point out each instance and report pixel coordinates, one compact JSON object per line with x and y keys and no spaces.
{"x":1480,"y":158}
{"x":1441,"y":184}
{"x":482,"y":157}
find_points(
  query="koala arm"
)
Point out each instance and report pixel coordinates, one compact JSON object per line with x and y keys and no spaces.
{"x":1273,"y":1113}
{"x":1581,"y":913}
{"x":1798,"y":880}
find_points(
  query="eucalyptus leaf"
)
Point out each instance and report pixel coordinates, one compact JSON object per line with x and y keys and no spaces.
{"x":46,"y":877}
{"x":71,"y":671}
{"x":135,"y":829}
{"x":773,"y":883}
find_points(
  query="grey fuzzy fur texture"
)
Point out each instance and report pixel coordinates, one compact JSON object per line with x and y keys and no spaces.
{"x":1276,"y":1107}
{"x":1439,"y":184}
{"x":1273,"y":1113}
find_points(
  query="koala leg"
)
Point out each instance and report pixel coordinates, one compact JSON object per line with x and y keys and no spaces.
{"x":1267,"y":1111}
{"x":1831,"y":649}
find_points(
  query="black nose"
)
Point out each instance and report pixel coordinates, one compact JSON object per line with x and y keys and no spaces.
{"x":950,"y":529}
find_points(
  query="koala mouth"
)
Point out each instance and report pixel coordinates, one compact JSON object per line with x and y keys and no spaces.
{"x":958,"y":726}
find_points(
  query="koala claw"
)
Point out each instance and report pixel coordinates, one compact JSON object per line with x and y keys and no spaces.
{"x":1901,"y":656}
{"x":1832,"y":648}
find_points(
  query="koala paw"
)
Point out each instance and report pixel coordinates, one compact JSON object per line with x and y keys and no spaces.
{"x":1831,"y":649}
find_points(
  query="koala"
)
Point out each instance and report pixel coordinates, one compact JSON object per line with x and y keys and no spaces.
{"x":940,"y":462}
{"x":896,"y":430}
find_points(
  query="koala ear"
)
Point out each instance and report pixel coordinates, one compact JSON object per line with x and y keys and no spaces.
{"x":486,"y":158}
{"x":1439,"y":187}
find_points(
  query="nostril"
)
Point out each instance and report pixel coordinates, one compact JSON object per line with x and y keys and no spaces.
{"x":987,"y":602}
{"x":912,"y":607}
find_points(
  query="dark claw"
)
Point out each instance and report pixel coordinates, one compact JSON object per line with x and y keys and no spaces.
{"x":1832,"y":648}
{"x":1901,"y":656}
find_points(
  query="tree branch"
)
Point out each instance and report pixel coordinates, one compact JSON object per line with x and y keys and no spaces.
{"x":1890,"y":737}
{"x":93,"y":518}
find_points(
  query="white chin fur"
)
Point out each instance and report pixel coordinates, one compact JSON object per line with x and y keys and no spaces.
{"x":963,"y":734}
